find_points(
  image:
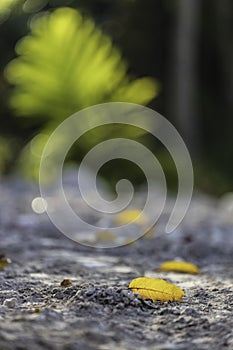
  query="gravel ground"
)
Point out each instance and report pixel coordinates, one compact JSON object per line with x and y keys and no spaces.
{"x":96,"y":310}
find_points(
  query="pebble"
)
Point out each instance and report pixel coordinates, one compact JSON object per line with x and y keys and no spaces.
{"x":10,"y":303}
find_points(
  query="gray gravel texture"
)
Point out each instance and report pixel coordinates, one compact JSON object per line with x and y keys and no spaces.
{"x":98,"y":311}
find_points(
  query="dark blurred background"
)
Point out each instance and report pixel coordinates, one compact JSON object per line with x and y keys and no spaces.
{"x":186,"y":45}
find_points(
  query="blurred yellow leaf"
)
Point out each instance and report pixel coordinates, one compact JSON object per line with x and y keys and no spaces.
{"x":179,"y":266}
{"x":105,"y":236}
{"x":149,"y":233}
{"x":127,"y":216}
{"x":3,"y":264}
{"x":66,"y":283}
{"x":4,"y":261}
{"x":156,"y":289}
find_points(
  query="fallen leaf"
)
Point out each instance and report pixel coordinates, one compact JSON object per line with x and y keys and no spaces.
{"x":66,"y":283}
{"x":127,"y":216}
{"x":156,"y":289}
{"x":105,"y":236}
{"x":149,"y":233}
{"x":4,"y":261}
{"x":130,"y":243}
{"x":179,"y":266}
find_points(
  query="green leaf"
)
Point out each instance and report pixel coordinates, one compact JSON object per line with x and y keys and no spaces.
{"x":64,"y":65}
{"x":67,"y":64}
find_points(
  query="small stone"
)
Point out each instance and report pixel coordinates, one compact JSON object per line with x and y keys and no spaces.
{"x":136,"y":303}
{"x":109,"y":291}
{"x":10,"y":303}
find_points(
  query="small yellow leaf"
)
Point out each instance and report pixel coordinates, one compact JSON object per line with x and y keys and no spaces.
{"x":179,"y":266}
{"x":130,"y":243}
{"x":149,"y":233}
{"x":156,"y":289}
{"x":105,"y":236}
{"x":4,"y":261}
{"x":66,"y":283}
{"x":127,"y":216}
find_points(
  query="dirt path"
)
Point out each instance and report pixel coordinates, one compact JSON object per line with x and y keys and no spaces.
{"x":98,"y":311}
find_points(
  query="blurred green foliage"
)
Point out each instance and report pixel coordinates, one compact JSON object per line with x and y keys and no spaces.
{"x":66,"y":64}
{"x":6,"y":7}
{"x":146,"y":32}
{"x":5,"y":151}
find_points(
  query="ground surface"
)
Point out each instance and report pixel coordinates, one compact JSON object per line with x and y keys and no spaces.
{"x":98,"y":311}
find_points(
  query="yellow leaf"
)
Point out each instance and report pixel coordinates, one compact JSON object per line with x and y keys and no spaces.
{"x":127,"y":216}
{"x":105,"y":236}
{"x":4,"y":261}
{"x":179,"y":266}
{"x":66,"y":283}
{"x":3,"y":264}
{"x":156,"y":289}
{"x":149,"y":233}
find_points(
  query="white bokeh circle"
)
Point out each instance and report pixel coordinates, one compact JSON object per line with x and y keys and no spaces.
{"x":71,"y":129}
